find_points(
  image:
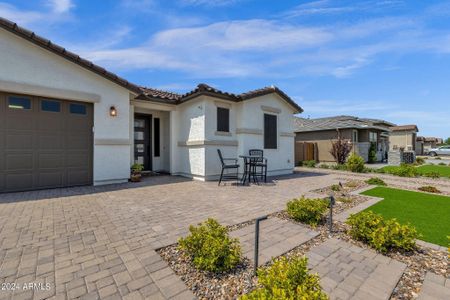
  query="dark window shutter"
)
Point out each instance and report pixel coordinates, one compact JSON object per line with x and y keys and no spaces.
{"x":157,"y":137}
{"x":223,"y":119}
{"x":270,"y":131}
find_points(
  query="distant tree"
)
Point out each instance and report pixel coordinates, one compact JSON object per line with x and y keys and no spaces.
{"x":447,"y":141}
{"x":340,"y":148}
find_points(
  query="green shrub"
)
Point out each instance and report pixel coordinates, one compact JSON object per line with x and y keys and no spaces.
{"x":376,"y":181}
{"x":300,"y":163}
{"x":420,"y":160}
{"x":324,"y":166}
{"x":380,"y":171}
{"x":310,"y":163}
{"x":306,"y":210}
{"x":344,"y":199}
{"x":339,"y":167}
{"x":404,"y":170}
{"x":441,"y":164}
{"x":372,"y":153}
{"x":438,"y":158}
{"x":432,"y":174}
{"x":210,"y":247}
{"x":429,"y":189}
{"x":335,"y":187}
{"x":355,"y":163}
{"x":383,"y":235}
{"x":287,"y":279}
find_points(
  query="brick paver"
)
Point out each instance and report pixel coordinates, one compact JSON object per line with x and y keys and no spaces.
{"x":350,"y":272}
{"x":276,"y":237}
{"x":435,"y":287}
{"x":93,"y":242}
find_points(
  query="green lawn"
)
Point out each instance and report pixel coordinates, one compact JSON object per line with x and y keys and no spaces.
{"x":444,"y":171}
{"x":430,"y":214}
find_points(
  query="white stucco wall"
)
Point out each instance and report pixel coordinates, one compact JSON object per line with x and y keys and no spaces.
{"x":29,"y":69}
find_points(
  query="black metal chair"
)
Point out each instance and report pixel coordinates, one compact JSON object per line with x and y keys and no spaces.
{"x":226,"y":166}
{"x":259,"y":164}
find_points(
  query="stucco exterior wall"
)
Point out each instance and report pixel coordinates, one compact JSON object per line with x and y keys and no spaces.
{"x":402,"y":139}
{"x":27,"y":68}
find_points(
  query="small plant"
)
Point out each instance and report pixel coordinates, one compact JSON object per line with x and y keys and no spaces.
{"x":300,"y":163}
{"x":404,"y":170}
{"x":352,"y":183}
{"x":324,"y":166}
{"x":306,"y":210}
{"x":335,"y":187}
{"x":136,"y":172}
{"x":383,"y":235}
{"x":420,"y":160}
{"x":432,"y":174}
{"x":340,"y":149}
{"x":210,"y":247}
{"x":287,"y":279}
{"x":309,"y":163}
{"x":339,"y":167}
{"x":441,"y":164}
{"x":376,"y":181}
{"x":372,"y":153}
{"x":344,"y":199}
{"x":429,"y":189}
{"x":355,"y":163}
{"x":438,"y":158}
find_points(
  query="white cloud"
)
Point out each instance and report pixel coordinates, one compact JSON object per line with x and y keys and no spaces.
{"x":10,"y":12}
{"x":60,"y":6}
{"x":208,"y":2}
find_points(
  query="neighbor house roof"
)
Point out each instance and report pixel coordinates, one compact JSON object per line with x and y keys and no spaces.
{"x":144,"y":93}
{"x":405,"y":128}
{"x":338,"y":122}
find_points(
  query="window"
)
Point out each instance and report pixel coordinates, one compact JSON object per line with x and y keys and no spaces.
{"x":223,"y":119}
{"x":355,"y":136}
{"x":77,"y":109}
{"x":270,"y":131}
{"x":157,"y":137}
{"x":373,"y":137}
{"x":49,"y":105}
{"x":19,"y":102}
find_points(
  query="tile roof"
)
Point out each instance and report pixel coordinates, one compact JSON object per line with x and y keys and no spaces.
{"x":144,"y":93}
{"x":405,"y":128}
{"x":338,"y":122}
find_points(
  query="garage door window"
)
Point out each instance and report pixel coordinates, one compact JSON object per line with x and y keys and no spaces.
{"x":19,"y":102}
{"x":49,"y":105}
{"x":77,"y":109}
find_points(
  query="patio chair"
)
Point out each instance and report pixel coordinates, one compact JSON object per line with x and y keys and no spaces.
{"x":226,"y":166}
{"x":259,"y":163}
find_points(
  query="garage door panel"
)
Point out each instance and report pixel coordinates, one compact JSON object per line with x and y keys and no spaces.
{"x":51,"y":179}
{"x":44,"y":146}
{"x":19,"y":161}
{"x":18,"y":181}
{"x":51,"y":160}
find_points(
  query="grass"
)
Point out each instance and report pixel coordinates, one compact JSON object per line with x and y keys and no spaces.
{"x":444,"y":171}
{"x":430,"y":214}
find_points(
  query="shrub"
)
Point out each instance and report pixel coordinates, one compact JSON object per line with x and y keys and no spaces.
{"x":404,"y":170}
{"x":352,"y":183}
{"x":306,"y":210}
{"x":441,"y":164}
{"x":344,"y":199}
{"x":355,"y":163}
{"x":379,"y":171}
{"x":438,"y":158}
{"x":375,"y":181}
{"x":324,"y":166}
{"x":336,"y":187}
{"x":383,"y":235}
{"x":372,"y":153}
{"x":420,"y":160}
{"x":432,"y":174}
{"x":287,"y":279}
{"x":429,"y":189}
{"x":210,"y":247}
{"x":339,"y":167}
{"x":310,"y":163}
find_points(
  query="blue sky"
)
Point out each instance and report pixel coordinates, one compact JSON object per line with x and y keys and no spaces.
{"x":383,"y":59}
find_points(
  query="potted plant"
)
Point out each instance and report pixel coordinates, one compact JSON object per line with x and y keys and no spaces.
{"x":136,"y":172}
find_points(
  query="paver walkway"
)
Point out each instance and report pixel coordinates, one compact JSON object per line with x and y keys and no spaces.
{"x":435,"y":287}
{"x":94,"y":242}
{"x":276,"y":237}
{"x":350,"y":272}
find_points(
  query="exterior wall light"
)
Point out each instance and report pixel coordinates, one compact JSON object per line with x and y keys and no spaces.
{"x":113,"y":111}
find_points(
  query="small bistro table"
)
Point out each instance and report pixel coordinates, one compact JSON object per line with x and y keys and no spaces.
{"x":249,"y":161}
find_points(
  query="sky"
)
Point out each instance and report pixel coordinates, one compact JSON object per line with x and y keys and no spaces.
{"x":385,"y":59}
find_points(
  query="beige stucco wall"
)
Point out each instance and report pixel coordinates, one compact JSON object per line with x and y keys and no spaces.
{"x":402,"y":139}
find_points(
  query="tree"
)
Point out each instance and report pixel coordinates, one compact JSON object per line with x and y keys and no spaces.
{"x":372,"y":153}
{"x":447,"y":141}
{"x":340,"y":148}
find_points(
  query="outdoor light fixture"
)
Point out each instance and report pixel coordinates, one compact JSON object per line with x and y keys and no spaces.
{"x":113,"y":111}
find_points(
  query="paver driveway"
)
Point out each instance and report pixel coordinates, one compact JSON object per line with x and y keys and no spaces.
{"x":93,"y":242}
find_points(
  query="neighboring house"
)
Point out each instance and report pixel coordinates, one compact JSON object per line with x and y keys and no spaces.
{"x":424,"y":144}
{"x":65,"y":121}
{"x":403,"y":137}
{"x":360,"y":131}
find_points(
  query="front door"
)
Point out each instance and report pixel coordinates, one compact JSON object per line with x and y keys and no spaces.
{"x":142,"y":140}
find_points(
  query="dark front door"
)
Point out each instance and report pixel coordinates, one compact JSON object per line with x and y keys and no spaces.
{"x":142,"y":141}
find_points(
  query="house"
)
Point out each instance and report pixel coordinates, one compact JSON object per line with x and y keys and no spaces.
{"x":403,"y":137}
{"x":361,"y":132}
{"x":424,"y":144}
{"x":65,"y":121}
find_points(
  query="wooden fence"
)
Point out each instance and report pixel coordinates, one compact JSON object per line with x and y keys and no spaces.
{"x":305,"y":151}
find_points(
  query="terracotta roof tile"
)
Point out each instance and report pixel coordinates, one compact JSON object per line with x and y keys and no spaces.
{"x":405,"y":128}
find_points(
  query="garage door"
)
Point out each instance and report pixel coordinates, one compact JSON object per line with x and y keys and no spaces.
{"x":44,"y":143}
